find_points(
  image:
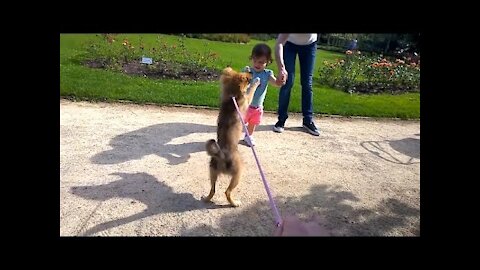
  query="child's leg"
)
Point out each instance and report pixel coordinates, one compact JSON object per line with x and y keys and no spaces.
{"x":254,"y":119}
{"x":248,"y":120}
{"x":251,"y":128}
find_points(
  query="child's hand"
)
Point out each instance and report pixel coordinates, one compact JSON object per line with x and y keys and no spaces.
{"x":283,"y":74}
{"x":280,"y":82}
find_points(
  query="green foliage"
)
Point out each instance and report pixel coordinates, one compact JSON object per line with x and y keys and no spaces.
{"x":371,"y":74}
{"x":233,"y":38}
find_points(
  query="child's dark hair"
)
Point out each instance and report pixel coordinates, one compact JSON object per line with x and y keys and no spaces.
{"x":260,"y":50}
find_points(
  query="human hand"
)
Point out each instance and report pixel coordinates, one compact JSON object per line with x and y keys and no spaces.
{"x":279,"y":82}
{"x":283,"y":75}
{"x":292,"y":226}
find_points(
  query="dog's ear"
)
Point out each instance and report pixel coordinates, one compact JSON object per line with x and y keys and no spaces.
{"x":245,"y":77}
{"x":227,"y":75}
{"x":248,"y":75}
{"x":228,"y":71}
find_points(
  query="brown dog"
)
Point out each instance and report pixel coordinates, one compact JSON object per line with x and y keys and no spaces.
{"x":224,"y":152}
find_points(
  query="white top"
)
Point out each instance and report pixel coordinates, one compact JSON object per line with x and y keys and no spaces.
{"x":302,"y":39}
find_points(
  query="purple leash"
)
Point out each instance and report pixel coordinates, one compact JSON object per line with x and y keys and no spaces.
{"x":278,"y":219}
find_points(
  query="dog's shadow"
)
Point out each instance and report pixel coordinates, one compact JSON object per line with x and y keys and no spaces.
{"x":144,"y":188}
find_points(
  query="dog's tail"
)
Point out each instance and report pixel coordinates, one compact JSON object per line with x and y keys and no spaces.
{"x":213,"y":149}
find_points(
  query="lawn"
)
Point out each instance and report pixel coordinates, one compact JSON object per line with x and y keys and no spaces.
{"x":86,"y":83}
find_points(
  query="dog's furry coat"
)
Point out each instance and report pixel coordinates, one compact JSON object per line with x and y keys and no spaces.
{"x":225,"y":157}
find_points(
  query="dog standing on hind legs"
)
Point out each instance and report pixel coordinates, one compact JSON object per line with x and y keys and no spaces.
{"x":225,"y":157}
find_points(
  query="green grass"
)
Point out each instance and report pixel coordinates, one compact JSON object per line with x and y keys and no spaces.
{"x":94,"y":84}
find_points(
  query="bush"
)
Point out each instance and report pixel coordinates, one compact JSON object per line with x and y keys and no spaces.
{"x":233,"y":38}
{"x":107,"y":52}
{"x":111,"y":53}
{"x":264,"y":37}
{"x":366,"y":74}
{"x":330,"y":48}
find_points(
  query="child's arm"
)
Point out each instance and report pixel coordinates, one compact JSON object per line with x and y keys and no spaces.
{"x":276,"y":82}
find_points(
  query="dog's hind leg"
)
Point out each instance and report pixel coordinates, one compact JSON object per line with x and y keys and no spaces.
{"x":233,"y":183}
{"x":213,"y":181}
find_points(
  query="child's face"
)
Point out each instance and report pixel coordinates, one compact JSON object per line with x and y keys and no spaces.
{"x":259,"y":63}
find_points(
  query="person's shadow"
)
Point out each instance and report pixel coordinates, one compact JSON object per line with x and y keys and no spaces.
{"x":143,"y":188}
{"x":156,"y":139}
{"x":408,"y":147}
{"x":331,"y":204}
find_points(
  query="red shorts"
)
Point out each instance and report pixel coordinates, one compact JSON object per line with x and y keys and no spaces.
{"x":254,"y":115}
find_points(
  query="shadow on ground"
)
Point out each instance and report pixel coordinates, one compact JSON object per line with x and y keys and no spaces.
{"x":156,"y":140}
{"x":144,"y":188}
{"x":404,"y":151}
{"x":329,"y":203}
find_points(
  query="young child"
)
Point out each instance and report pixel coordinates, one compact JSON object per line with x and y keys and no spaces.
{"x":261,"y":57}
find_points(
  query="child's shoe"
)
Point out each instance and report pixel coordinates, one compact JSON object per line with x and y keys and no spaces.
{"x":249,"y":140}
